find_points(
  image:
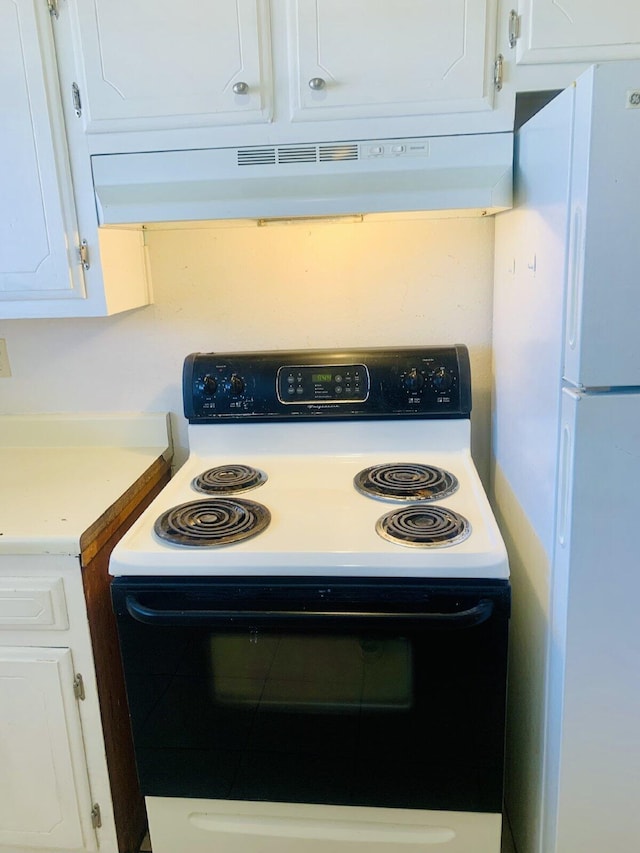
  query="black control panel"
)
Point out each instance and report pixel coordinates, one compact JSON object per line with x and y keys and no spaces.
{"x":341,"y":383}
{"x":426,"y":382}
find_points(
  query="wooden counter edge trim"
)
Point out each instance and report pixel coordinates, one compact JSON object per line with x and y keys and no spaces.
{"x":101,"y":530}
{"x":99,"y":542}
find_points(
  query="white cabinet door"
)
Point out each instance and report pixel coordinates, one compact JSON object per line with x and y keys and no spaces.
{"x":45,"y":214}
{"x":155,"y":64}
{"x":45,"y":801}
{"x":578,"y":30}
{"x":375,"y":58}
{"x":38,"y":231}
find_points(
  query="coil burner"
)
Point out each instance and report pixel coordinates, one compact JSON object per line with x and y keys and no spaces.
{"x":228,"y":479}
{"x":405,"y":481}
{"x":216,"y":521}
{"x":423,"y":527}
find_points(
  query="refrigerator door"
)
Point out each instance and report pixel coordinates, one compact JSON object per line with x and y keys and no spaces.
{"x":602,"y":345}
{"x":593,"y":734}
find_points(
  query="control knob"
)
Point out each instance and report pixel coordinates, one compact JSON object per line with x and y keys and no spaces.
{"x":235,"y":385}
{"x":442,"y":379}
{"x":413,"y":381}
{"x":209,"y":384}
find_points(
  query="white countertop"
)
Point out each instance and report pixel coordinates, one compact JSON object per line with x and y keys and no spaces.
{"x":60,"y":473}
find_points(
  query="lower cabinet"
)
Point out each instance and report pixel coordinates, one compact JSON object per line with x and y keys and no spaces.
{"x":55,"y":781}
{"x":68,"y":780}
{"x":45,"y":798}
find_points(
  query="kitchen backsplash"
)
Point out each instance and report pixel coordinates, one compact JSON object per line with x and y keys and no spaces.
{"x":234,"y":287}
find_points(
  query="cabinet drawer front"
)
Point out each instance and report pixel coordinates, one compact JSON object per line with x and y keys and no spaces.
{"x":253,"y":827}
{"x":33,"y":603}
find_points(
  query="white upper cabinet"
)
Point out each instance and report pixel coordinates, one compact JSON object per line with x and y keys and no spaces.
{"x":375,"y":58}
{"x":39,"y":243}
{"x":155,"y":64}
{"x":50,"y":245}
{"x":151,"y":75}
{"x":552,"y":31}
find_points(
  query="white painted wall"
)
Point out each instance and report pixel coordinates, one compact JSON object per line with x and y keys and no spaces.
{"x":375,"y":283}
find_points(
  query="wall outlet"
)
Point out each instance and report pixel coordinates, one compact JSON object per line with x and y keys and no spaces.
{"x":5,"y":367}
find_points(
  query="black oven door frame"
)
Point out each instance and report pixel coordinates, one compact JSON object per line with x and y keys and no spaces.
{"x":347,"y":691}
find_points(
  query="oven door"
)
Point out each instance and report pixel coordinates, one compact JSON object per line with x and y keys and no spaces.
{"x":321,"y":691}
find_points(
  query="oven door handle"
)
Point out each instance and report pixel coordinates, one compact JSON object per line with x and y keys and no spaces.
{"x":468,"y":618}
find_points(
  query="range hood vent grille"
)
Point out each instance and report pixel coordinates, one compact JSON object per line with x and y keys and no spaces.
{"x":338,"y":152}
{"x":256,"y":156}
{"x":297,"y":154}
{"x":283,"y":154}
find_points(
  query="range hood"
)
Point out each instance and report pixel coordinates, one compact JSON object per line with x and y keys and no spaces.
{"x":461,"y":173}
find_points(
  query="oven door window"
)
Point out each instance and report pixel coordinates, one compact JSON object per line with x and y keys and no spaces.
{"x":314,"y":674}
{"x":348,"y":706}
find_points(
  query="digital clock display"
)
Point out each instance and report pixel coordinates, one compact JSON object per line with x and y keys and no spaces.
{"x":321,"y":377}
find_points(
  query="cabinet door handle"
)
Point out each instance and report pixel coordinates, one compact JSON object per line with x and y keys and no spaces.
{"x":317,"y":83}
{"x":240,"y":88}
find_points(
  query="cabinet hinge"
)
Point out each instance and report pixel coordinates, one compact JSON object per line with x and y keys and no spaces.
{"x":83,"y":251}
{"x":96,"y":817}
{"x":78,"y":686}
{"x":54,"y":11}
{"x":514,"y":27}
{"x":75,"y":97}
{"x":497,"y":72}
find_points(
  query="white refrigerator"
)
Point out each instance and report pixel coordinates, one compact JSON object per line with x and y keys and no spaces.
{"x":566,"y":466}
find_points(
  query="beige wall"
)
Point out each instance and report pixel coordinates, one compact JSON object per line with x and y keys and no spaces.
{"x":381,"y":283}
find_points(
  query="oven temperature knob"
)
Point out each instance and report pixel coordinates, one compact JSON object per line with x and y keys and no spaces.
{"x":413,"y":381}
{"x":441,"y":379}
{"x":235,"y":385}
{"x":209,"y":384}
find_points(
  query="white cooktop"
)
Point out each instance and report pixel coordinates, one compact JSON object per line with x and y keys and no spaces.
{"x":320,"y":524}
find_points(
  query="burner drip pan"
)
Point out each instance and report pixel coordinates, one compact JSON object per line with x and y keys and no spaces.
{"x":423,"y":527}
{"x":227,"y":479}
{"x":216,"y":521}
{"x":405,"y":481}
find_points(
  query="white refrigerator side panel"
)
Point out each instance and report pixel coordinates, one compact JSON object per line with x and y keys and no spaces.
{"x":593,"y":748}
{"x":530,"y":262}
{"x":603,"y":292}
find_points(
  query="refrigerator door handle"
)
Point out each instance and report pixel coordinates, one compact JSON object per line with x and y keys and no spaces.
{"x":576,"y":257}
{"x":563,"y":502}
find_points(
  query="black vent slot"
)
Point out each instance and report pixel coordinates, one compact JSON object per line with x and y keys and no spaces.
{"x":256,"y":156}
{"x":348,"y":151}
{"x":297,"y":154}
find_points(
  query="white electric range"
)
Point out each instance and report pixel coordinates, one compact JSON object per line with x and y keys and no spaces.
{"x":324,"y":569}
